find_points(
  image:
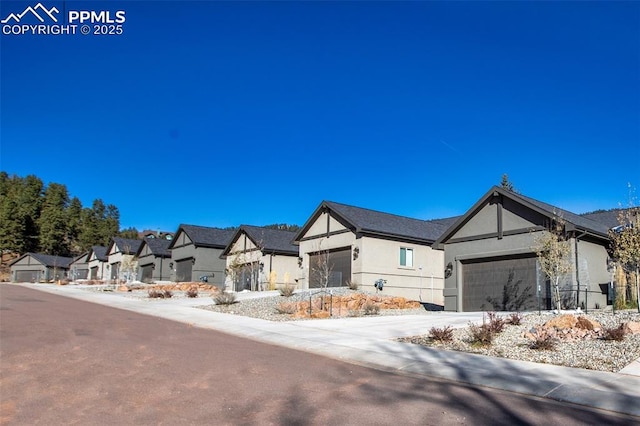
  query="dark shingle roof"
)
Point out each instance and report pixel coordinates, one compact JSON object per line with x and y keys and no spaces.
{"x":381,"y":224}
{"x":101,"y":253}
{"x":608,"y":218}
{"x":157,"y":246}
{"x":579,"y":222}
{"x":83,"y":258}
{"x":48,"y":260}
{"x":268,"y":240}
{"x":203,"y":236}
{"x":127,"y":245}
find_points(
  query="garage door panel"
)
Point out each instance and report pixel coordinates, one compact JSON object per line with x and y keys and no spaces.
{"x":184,"y":270}
{"x":339,"y":262}
{"x":30,"y":276}
{"x":147,"y":273}
{"x":503,"y":284}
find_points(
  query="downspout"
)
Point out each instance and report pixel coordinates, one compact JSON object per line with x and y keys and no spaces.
{"x":575,"y":243}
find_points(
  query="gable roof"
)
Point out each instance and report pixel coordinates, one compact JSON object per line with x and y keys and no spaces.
{"x":609,"y":218}
{"x":83,"y":258}
{"x":203,"y":236}
{"x":274,"y":241}
{"x":100,"y":252}
{"x":47,"y":260}
{"x":126,"y":245}
{"x":379,"y":224}
{"x":159,"y":247}
{"x":576,"y":221}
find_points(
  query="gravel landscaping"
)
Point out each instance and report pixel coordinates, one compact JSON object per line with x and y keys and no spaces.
{"x":266,"y":307}
{"x":589,"y":353}
{"x":592,"y":353}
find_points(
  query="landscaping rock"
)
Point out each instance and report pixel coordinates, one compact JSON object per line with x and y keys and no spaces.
{"x":631,"y":327}
{"x":562,"y":322}
{"x":588,"y":324}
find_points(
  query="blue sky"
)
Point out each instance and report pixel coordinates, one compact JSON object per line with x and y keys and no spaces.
{"x":223,"y":113}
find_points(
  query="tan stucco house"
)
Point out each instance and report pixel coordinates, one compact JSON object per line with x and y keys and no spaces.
{"x":491,"y":263}
{"x":261,"y":259}
{"x":364,"y":246}
{"x":39,"y":267}
{"x":98,"y":261}
{"x":122,"y":264}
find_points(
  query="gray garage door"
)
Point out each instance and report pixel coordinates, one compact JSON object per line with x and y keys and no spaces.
{"x":500,"y":284}
{"x":246,"y":277}
{"x":81,"y":274}
{"x":183,"y":270}
{"x":27,"y":276}
{"x":115,"y":271}
{"x":339,"y":268}
{"x":147,"y":273}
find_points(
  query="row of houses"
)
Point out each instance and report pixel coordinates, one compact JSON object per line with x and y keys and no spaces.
{"x":481,"y":260}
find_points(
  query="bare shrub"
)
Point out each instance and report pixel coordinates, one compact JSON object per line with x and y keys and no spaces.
{"x":286,"y":308}
{"x":441,"y":334}
{"x":225,"y":298}
{"x":515,"y":318}
{"x":167,"y":294}
{"x":353,"y":285}
{"x":192,"y":292}
{"x":370,"y":308}
{"x":481,"y":335}
{"x":543,"y":342}
{"x":155,"y":294}
{"x":287,"y":290}
{"x":613,"y":333}
{"x":496,"y":324}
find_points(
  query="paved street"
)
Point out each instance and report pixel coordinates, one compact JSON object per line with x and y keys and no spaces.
{"x":65,"y":361}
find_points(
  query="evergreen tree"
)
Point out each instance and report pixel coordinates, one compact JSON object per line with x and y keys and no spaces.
{"x":74,"y":224}
{"x":89,"y":234}
{"x":130,"y":233}
{"x":506,"y":183}
{"x":53,"y":221}
{"x":29,"y":204}
{"x":11,"y":225}
{"x":111,"y":223}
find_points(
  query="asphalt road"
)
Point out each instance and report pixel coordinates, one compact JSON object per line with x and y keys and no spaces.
{"x":64,"y":361}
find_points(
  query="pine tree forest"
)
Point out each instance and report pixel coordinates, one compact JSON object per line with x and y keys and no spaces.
{"x":35,"y":217}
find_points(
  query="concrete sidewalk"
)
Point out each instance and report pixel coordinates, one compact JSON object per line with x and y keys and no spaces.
{"x":368,"y":341}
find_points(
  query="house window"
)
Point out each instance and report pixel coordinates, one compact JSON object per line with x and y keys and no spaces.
{"x":406,"y":257}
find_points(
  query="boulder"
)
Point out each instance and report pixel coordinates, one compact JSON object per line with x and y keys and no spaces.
{"x":562,"y":322}
{"x":631,"y":327}
{"x":588,"y":324}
